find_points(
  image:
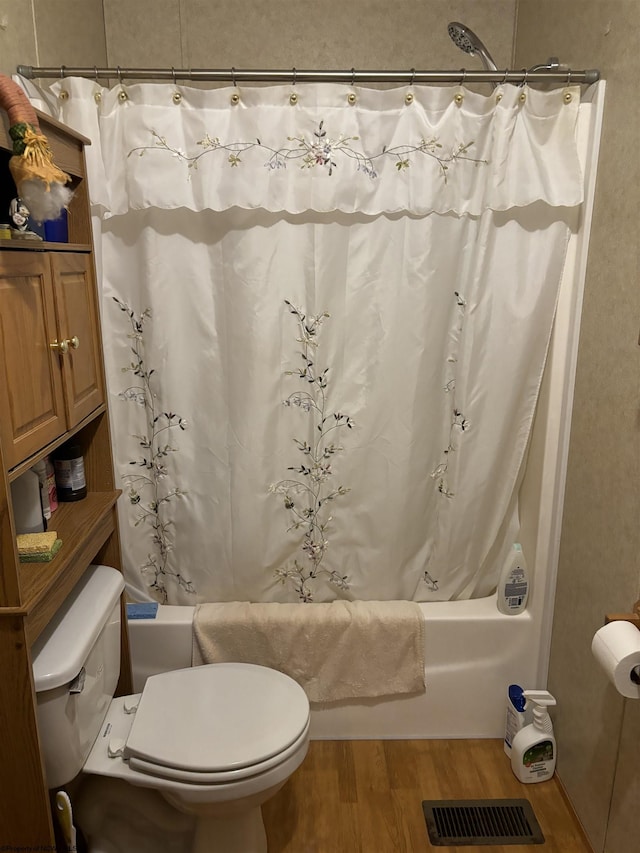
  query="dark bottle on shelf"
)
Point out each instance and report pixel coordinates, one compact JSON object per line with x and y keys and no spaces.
{"x":71,"y":484}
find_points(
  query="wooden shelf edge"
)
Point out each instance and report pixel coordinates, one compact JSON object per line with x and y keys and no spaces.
{"x":84,"y":526}
{"x":44,"y":246}
{"x":17,"y":470}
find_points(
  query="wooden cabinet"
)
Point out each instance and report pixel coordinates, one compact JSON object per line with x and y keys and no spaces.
{"x":51,"y":387}
{"x":77,"y":315}
{"x":50,"y":377}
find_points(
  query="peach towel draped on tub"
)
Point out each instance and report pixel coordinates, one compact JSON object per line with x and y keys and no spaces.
{"x":338,"y":650}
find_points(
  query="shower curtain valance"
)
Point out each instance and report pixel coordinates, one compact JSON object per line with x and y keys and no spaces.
{"x":326,"y":147}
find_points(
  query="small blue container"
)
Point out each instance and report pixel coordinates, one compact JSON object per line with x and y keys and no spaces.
{"x":56,"y":230}
{"x":142,"y":610}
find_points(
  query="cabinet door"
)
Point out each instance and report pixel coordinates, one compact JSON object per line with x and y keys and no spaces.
{"x":31,"y":398}
{"x":77,"y":324}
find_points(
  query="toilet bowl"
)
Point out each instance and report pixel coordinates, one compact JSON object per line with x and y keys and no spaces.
{"x":218,"y":756}
{"x":215,"y":741}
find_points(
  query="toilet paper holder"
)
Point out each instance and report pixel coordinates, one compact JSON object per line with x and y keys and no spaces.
{"x":633,"y":617}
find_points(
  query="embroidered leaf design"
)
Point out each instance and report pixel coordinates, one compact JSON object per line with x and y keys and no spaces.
{"x":149,"y":481}
{"x":318,"y":150}
{"x":304,"y":498}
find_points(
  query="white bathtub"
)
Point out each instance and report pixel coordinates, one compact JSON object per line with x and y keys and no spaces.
{"x":473,"y":653}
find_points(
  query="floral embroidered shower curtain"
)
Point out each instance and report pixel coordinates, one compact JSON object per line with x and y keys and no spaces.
{"x":326,"y":320}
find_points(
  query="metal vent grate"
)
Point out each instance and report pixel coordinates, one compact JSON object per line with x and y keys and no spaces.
{"x":480,"y":822}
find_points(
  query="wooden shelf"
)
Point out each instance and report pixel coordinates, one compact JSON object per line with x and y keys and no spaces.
{"x":44,"y":246}
{"x":84,"y":527}
{"x":18,"y":470}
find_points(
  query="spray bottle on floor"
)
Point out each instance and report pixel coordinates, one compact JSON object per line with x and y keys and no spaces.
{"x":533,"y":751}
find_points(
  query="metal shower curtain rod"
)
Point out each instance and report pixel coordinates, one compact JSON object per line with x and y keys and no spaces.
{"x":293,"y":75}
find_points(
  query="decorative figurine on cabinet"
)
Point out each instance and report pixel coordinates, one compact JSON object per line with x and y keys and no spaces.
{"x":19,"y":216}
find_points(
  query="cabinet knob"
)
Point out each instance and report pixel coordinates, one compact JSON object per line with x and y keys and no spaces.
{"x":61,"y":346}
{"x":74,"y":342}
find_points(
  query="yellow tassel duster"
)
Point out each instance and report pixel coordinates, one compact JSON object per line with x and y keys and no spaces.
{"x":40,"y":183}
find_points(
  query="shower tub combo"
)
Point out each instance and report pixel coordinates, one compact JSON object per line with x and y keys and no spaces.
{"x":473,"y":651}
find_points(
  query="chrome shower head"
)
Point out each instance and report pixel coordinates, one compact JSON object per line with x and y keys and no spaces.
{"x":468,"y":41}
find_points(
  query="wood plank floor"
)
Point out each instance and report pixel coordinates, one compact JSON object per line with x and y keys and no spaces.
{"x":366,"y":797}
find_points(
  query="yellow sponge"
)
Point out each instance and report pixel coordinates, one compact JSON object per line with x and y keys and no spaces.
{"x":36,"y":543}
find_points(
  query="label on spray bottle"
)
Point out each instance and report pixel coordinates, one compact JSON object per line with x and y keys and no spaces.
{"x":536,"y":760}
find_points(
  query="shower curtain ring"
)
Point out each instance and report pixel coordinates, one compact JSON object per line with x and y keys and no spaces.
{"x":233,"y":75}
{"x":62,"y":67}
{"x":353,"y":77}
{"x":413,"y":76}
{"x":293,"y":97}
{"x":504,"y":79}
{"x":463,"y":71}
{"x":569,"y":77}
{"x":526,"y":77}
{"x":95,"y":72}
{"x":122,"y":95}
{"x":173,"y":74}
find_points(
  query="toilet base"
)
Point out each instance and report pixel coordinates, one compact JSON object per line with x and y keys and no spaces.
{"x":117,"y":816}
{"x":242,"y":833}
{"x":114,"y":815}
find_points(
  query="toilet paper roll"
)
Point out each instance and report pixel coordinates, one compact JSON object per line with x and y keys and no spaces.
{"x":616,"y":647}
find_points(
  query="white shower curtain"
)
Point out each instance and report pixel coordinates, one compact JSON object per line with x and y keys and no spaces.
{"x":430,"y":229}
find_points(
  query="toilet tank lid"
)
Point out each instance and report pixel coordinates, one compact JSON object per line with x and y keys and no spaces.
{"x":61,"y":650}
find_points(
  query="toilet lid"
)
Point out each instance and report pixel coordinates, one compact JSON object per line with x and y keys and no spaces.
{"x":218,"y":717}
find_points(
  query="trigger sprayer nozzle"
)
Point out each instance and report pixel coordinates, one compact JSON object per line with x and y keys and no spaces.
{"x":539,"y":697}
{"x":541,"y":700}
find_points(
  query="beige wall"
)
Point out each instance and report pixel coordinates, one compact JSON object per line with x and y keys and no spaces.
{"x":249,"y":33}
{"x":51,"y":32}
{"x":600,"y":547}
{"x":284,"y":33}
{"x":601,"y":533}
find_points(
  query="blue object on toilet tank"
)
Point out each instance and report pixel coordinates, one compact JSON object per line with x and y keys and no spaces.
{"x":143,"y":610}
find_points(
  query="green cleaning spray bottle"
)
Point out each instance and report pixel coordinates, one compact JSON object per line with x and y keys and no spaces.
{"x":533,"y":751}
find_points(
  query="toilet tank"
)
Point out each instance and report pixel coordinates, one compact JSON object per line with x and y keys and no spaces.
{"x":76,"y":665}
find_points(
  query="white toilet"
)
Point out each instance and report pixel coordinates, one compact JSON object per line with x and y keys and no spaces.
{"x":216,"y":741}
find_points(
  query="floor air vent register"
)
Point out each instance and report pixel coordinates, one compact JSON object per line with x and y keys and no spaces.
{"x":467,"y":823}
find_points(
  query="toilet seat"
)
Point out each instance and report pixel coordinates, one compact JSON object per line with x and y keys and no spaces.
{"x":199,"y":778}
{"x":246,"y":719}
{"x":115,"y":730}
